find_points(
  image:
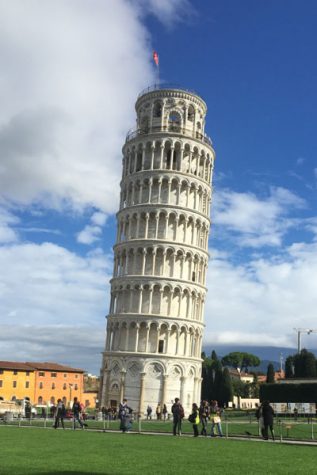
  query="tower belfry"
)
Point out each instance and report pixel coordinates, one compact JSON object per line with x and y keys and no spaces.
{"x":158,"y":290}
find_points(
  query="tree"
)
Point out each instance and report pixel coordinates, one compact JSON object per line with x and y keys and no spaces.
{"x":226,"y":390}
{"x":305,"y":364}
{"x":241,"y":360}
{"x":239,"y":388}
{"x":289,"y":367}
{"x":214,"y":356}
{"x":270,"y":375}
{"x":215,"y":392}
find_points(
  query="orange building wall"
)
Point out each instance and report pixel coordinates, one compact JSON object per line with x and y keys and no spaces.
{"x":65,"y":387}
{"x":7,"y":391}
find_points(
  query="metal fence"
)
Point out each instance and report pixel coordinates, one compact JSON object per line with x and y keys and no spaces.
{"x":303,"y":428}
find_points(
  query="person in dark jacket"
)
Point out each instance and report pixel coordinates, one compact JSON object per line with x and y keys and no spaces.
{"x":268,"y":415}
{"x":194,"y":418}
{"x":178,"y":415}
{"x":76,"y":414}
{"x":60,"y":413}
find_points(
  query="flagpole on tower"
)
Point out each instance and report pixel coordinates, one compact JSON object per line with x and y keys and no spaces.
{"x":156,"y":61}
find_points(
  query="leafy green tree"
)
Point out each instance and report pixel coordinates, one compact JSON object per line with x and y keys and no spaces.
{"x":241,"y":360}
{"x":216,"y":380}
{"x":309,"y":364}
{"x":270,"y":375}
{"x":289,"y":367}
{"x":214,"y":356}
{"x":239,"y":388}
{"x":226,"y":390}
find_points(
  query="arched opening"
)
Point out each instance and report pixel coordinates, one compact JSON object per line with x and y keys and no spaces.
{"x":174,"y":122}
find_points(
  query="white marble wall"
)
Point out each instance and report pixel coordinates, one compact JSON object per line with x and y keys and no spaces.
{"x":155,"y":321}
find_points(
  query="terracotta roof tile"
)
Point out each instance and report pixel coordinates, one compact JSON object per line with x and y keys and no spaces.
{"x":32,"y":366}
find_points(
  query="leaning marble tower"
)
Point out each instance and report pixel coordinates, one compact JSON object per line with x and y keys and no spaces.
{"x":158,"y":290}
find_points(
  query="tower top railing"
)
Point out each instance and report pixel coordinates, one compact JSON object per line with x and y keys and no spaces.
{"x":134,"y":133}
{"x":167,"y":86}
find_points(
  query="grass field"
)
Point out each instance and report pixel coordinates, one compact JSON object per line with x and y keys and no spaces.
{"x":299,"y":430}
{"x":51,"y":452}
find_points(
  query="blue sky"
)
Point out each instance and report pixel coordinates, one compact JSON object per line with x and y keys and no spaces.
{"x":71,"y":72}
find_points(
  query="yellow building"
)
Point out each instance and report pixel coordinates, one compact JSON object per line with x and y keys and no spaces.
{"x":41,"y":383}
{"x":16,"y":380}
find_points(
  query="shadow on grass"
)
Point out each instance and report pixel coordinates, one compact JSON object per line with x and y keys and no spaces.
{"x":74,"y":472}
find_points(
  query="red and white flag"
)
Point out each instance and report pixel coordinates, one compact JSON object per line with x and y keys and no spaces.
{"x":155,"y":58}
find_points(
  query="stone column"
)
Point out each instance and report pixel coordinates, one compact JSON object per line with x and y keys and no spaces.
{"x":150,"y":299}
{"x":147,"y":217}
{"x":143,"y":261}
{"x":137,"y":338}
{"x":182,"y":392}
{"x":147,"y":339}
{"x":140,"y":299}
{"x":162,"y":156}
{"x":152,"y":157}
{"x":150,"y":190}
{"x":122,"y":385}
{"x":159,"y":191}
{"x":105,"y":389}
{"x":141,"y":408}
{"x":166,"y":226}
{"x":143,"y":156}
{"x":164,"y":389}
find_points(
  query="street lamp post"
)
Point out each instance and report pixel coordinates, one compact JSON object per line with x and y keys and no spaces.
{"x":70,"y":394}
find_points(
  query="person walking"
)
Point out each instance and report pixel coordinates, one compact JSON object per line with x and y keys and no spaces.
{"x":194,"y":419}
{"x":158,"y":412}
{"x":178,"y":415}
{"x":268,"y":415}
{"x":76,"y":414}
{"x":60,"y":413}
{"x":204,"y":414}
{"x":125,"y":416}
{"x":164,"y":412}
{"x":149,"y":413}
{"x":215,"y":411}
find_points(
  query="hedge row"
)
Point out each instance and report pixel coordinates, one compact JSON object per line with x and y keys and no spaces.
{"x":301,"y":392}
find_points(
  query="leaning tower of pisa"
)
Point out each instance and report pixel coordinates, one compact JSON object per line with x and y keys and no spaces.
{"x":156,"y":319}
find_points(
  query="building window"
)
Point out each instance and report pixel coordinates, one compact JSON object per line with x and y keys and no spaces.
{"x":27,"y":373}
{"x":161,"y":346}
{"x":76,"y":376}
{"x":53,"y":385}
{"x":64,"y":386}
{"x":40,"y":400}
{"x":1,"y":371}
{"x":15,"y":372}
{"x":76,"y":387}
{"x":14,"y":384}
{"x":27,"y":384}
{"x":65,"y":375}
{"x":52,"y":400}
{"x":1,"y":383}
{"x":41,"y":385}
{"x":64,"y":400}
{"x":41,"y":373}
{"x":53,"y":375}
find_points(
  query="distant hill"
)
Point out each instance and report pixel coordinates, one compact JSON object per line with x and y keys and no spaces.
{"x":267,"y":354}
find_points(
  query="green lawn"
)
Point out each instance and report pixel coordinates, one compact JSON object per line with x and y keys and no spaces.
{"x":236,"y":426}
{"x":40,"y":451}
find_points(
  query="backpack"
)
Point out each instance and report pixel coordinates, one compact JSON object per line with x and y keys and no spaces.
{"x":181,"y":411}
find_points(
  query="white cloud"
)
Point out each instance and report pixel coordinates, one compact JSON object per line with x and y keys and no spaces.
{"x":259,"y":221}
{"x":7,"y":233}
{"x":262,"y":301}
{"x":89,"y":234}
{"x":49,"y":285}
{"x":92,"y":232}
{"x":69,"y":81}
